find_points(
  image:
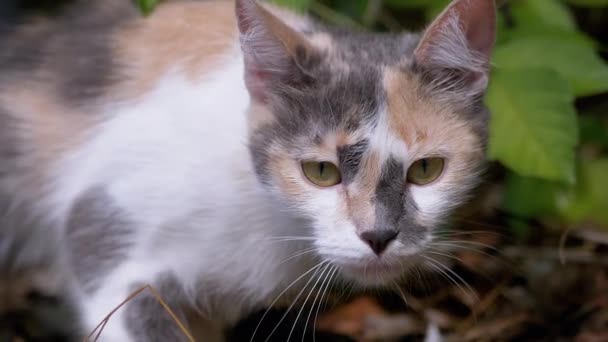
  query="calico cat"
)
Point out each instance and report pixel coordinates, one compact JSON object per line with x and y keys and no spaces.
{"x":233,"y":153}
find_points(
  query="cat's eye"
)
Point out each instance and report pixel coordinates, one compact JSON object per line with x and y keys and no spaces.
{"x":322,"y":173}
{"x":425,"y":171}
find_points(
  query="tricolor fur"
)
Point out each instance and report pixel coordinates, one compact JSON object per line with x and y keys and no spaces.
{"x":166,"y":150}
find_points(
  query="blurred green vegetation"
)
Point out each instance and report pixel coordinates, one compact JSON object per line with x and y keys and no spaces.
{"x":548,"y":95}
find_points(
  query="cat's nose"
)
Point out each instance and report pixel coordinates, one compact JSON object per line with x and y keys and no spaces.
{"x":378,"y":240}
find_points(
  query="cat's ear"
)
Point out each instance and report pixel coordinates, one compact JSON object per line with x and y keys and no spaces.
{"x":460,"y":40}
{"x":271,"y":49}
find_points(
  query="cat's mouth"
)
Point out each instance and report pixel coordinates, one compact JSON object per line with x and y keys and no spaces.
{"x":373,"y":272}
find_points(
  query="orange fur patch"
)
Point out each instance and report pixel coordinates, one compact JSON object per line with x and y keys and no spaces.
{"x":193,"y":36}
{"x":361,"y":193}
{"x":424,"y":124}
{"x":48,"y":128}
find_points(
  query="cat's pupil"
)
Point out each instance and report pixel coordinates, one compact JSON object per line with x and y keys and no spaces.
{"x":321,"y":168}
{"x":424,"y":165}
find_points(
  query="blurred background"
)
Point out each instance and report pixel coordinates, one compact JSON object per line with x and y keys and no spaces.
{"x":531,"y":258}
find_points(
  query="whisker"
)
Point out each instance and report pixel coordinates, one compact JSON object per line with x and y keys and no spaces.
{"x":466,"y":233}
{"x":327,"y":285}
{"x":480,"y":224}
{"x":327,"y":267}
{"x":306,"y":251}
{"x":281,"y":294}
{"x":315,"y":301}
{"x":447,"y":255}
{"x":471,"y":291}
{"x":294,"y":302}
{"x":471,"y":243}
{"x":438,"y":246}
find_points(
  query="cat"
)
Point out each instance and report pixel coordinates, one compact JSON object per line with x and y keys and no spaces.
{"x":36,"y":287}
{"x":234,"y":155}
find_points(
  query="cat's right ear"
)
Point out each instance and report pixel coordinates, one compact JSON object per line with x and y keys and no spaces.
{"x":460,"y":42}
{"x":270,"y":49}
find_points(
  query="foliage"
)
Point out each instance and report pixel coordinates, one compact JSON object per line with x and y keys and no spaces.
{"x":147,"y":6}
{"x":534,"y":131}
{"x":542,"y":63}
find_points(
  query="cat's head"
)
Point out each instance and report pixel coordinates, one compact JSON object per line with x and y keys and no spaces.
{"x":375,"y":137}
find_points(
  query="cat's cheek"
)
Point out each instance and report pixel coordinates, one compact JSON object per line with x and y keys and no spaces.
{"x":430,"y":203}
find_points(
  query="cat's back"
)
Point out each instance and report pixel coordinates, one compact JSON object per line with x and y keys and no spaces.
{"x":58,"y":75}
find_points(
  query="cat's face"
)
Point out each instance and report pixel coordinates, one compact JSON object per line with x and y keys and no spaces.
{"x":371,"y":137}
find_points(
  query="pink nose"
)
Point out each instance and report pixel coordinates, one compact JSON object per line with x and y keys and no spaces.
{"x":378,"y":240}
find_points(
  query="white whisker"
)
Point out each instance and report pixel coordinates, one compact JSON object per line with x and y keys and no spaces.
{"x":327,"y":267}
{"x":295,"y":301}
{"x":316,"y":267}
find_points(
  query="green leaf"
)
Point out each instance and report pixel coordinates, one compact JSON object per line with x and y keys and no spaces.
{"x":531,"y":197}
{"x":551,"y":14}
{"x":353,"y":8}
{"x":533,"y":130}
{"x":147,"y":6}
{"x":588,"y":201}
{"x":435,"y":8}
{"x":401,"y":4}
{"x":296,"y":5}
{"x":570,"y":56}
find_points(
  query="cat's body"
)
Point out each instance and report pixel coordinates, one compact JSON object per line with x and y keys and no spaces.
{"x":166,"y":150}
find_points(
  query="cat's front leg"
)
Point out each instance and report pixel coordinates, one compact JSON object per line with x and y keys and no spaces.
{"x":143,"y":317}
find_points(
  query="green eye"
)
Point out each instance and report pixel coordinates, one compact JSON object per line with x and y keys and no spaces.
{"x":425,"y":171}
{"x":324,"y":174}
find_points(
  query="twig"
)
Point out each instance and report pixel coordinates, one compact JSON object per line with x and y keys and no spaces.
{"x":562,"y":245}
{"x":494,"y":328}
{"x":592,"y":235}
{"x":484,"y":304}
{"x":99,"y":328}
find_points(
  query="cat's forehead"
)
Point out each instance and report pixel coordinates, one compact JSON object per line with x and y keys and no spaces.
{"x":365,"y":49}
{"x":365,"y":88}
{"x":346,"y":89}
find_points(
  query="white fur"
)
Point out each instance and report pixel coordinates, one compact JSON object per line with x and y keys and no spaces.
{"x":386,"y":143}
{"x":201,"y":211}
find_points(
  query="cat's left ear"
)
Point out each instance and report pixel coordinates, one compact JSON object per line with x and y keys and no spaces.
{"x":271,"y":49}
{"x":460,"y":41}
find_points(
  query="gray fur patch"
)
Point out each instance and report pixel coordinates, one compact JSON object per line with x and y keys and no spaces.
{"x":25,"y":240}
{"x":329,"y":102}
{"x":74,"y":50}
{"x":99,"y":235}
{"x":368,"y":49}
{"x":395,"y":208}
{"x":148,"y":321}
{"x":349,"y":157}
{"x":9,"y":150}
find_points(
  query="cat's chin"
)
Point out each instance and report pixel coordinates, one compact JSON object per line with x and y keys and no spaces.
{"x":373,"y":273}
